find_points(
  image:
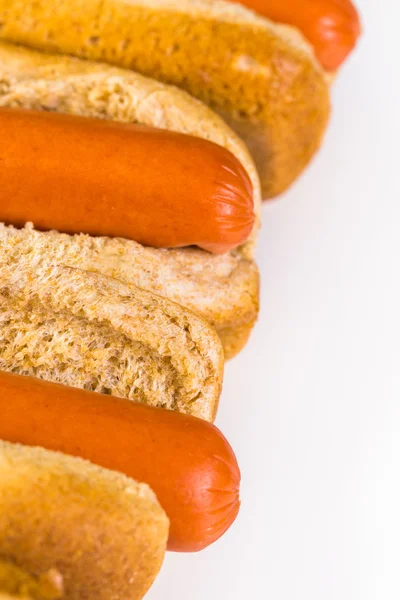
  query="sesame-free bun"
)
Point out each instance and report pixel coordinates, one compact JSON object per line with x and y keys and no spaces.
{"x":103,"y":534}
{"x":261,"y":77}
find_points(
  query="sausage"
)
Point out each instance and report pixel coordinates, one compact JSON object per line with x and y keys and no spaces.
{"x":186,"y":461}
{"x":332,"y":26}
{"x":156,"y":187}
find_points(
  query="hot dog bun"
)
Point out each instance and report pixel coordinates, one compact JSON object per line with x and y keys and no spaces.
{"x":16,"y":583}
{"x":331,"y":26}
{"x":87,"y":330}
{"x":263,"y":78}
{"x":103,"y":532}
{"x":40,"y":81}
{"x":222,"y":289}
{"x":6,"y":596}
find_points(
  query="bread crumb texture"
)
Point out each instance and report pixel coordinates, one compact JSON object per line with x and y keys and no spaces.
{"x":261,"y":76}
{"x":75,"y":529}
{"x":223,"y":290}
{"x":80,"y":328}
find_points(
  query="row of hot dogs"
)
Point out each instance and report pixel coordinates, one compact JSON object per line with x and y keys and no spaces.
{"x":140,"y":197}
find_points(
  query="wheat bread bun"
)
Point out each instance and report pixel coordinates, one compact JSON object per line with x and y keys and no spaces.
{"x":83,"y":329}
{"x":262,"y":77}
{"x":103,"y":532}
{"x":222,"y":289}
{"x":16,"y":583}
{"x":6,"y":596}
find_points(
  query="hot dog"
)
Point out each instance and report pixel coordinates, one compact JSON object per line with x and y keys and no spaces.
{"x":223,"y":289}
{"x":332,"y":26}
{"x":185,"y":460}
{"x":261,"y":77}
{"x":159,"y":188}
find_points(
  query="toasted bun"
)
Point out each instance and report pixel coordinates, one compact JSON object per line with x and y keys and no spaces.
{"x":263,"y":78}
{"x":103,"y":532}
{"x":83,"y":329}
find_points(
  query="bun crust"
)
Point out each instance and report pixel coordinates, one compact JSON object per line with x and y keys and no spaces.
{"x":72,"y":326}
{"x":104,"y":533}
{"x":262,"y":77}
{"x":17,"y":583}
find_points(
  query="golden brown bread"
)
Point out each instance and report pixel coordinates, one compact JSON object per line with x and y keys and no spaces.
{"x":222,"y":289}
{"x":260,"y":76}
{"x":83,"y":329}
{"x":16,"y":583}
{"x":7,"y":596}
{"x":105,"y":533}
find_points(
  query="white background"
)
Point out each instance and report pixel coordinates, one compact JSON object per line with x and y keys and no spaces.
{"x":312,"y":405}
